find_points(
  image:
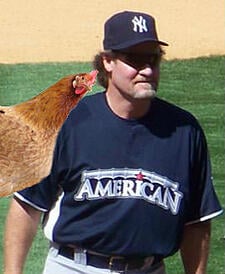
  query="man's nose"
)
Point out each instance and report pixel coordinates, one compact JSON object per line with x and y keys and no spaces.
{"x":146,"y":70}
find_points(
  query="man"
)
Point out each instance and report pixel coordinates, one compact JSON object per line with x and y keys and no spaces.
{"x":130,"y":182}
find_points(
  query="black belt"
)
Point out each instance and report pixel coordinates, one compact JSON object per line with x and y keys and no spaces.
{"x":115,"y":263}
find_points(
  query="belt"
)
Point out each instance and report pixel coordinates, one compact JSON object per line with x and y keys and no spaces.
{"x":115,"y":263}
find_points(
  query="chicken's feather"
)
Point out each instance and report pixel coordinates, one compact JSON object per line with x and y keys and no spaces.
{"x":28,"y":132}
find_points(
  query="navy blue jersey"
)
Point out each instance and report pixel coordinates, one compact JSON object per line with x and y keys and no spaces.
{"x":126,"y":187}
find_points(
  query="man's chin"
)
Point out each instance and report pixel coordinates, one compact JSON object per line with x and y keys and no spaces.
{"x":146,"y":94}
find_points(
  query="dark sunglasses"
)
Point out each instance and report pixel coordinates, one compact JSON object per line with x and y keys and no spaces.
{"x":139,"y":60}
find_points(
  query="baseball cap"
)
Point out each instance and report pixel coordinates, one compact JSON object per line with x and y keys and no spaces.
{"x":129,"y":28}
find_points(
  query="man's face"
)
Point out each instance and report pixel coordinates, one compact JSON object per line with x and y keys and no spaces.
{"x":135,"y":72}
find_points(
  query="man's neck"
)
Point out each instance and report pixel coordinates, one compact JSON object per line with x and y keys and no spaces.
{"x":128,"y":109}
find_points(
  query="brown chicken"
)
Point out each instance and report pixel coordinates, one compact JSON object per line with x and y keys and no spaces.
{"x":28,"y":131}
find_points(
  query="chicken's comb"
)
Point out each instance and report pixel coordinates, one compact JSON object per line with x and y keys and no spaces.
{"x":93,"y":74}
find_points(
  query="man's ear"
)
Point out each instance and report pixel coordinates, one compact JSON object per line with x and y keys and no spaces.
{"x":108,"y":63}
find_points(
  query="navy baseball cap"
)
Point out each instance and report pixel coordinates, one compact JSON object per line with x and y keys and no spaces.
{"x":129,"y":28}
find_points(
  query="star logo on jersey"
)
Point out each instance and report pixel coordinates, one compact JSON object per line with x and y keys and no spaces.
{"x":140,"y":176}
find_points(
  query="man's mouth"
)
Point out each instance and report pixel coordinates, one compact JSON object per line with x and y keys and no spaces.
{"x":153,"y":85}
{"x":144,"y":82}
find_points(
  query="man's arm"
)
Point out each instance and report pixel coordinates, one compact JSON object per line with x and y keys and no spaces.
{"x":21,"y":227}
{"x":195,"y":247}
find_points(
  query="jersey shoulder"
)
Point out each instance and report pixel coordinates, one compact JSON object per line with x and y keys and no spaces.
{"x":88,"y":106}
{"x":173,"y":113}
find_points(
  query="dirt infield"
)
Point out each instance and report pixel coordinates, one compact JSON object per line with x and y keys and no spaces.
{"x":68,"y":30}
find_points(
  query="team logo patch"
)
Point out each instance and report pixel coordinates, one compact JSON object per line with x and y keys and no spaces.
{"x":130,"y":183}
{"x":139,"y":24}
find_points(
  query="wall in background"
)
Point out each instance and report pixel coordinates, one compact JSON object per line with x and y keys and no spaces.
{"x":69,"y":30}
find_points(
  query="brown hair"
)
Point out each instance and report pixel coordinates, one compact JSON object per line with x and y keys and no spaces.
{"x":102,"y":76}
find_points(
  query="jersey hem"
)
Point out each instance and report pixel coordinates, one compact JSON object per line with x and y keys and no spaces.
{"x":205,"y":218}
{"x":20,"y":197}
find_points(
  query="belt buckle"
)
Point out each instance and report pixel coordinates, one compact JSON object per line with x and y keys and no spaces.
{"x":111,"y":264}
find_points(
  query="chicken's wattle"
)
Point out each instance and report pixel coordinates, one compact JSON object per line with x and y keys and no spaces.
{"x":80,"y":90}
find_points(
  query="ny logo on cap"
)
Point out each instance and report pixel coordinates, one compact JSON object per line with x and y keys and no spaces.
{"x":139,"y":24}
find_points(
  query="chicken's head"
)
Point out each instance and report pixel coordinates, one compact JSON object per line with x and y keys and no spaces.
{"x":83,"y":82}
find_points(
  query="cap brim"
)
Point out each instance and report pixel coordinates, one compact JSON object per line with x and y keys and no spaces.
{"x":128,"y":44}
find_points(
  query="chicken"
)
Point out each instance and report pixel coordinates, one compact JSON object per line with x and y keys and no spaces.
{"x":28,"y":131}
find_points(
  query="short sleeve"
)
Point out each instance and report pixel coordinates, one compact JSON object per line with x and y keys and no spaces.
{"x":204,"y":203}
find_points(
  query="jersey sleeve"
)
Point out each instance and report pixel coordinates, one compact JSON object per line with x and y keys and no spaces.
{"x":38,"y":196}
{"x":204,"y":203}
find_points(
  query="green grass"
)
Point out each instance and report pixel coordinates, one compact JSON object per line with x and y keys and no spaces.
{"x":196,"y":85}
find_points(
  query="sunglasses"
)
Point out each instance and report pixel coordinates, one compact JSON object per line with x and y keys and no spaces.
{"x":139,"y":60}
